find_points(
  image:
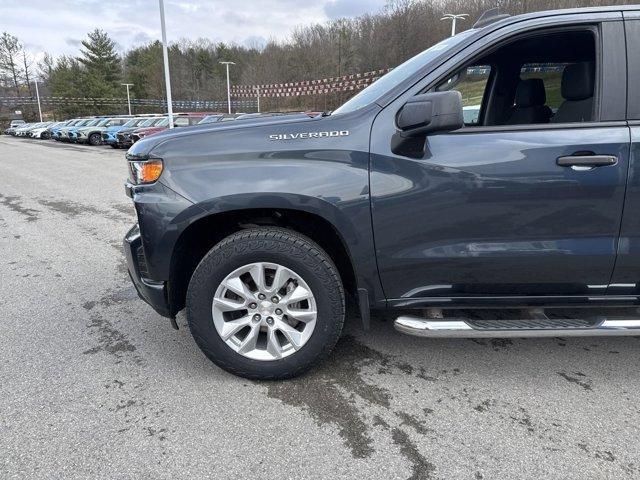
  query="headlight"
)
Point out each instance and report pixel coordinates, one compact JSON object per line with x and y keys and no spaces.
{"x":147,"y":171}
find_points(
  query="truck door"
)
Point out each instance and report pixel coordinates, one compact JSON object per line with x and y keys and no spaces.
{"x":626,"y":277}
{"x":502,"y":207}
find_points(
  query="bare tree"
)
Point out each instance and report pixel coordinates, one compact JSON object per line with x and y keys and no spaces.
{"x":27,"y":68}
{"x":10,"y":48}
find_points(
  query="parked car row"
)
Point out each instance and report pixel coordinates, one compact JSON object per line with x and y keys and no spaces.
{"x":124,"y":130}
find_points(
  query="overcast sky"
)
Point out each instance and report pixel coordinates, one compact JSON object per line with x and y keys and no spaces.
{"x":58,"y":26}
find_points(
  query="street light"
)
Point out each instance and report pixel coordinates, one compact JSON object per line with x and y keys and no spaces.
{"x":128,"y":97}
{"x":165,"y":56}
{"x":453,"y":17}
{"x":228,"y":83}
{"x":38,"y":96}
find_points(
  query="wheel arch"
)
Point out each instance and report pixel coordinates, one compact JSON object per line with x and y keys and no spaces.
{"x":333,"y":234}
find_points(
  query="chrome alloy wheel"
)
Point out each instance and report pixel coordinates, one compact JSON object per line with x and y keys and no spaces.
{"x":264,"y":311}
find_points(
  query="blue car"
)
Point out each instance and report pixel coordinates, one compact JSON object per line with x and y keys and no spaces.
{"x":60,"y":133}
{"x":110,"y":135}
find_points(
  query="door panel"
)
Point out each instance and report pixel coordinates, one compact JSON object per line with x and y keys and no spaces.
{"x":491,"y":213}
{"x":626,"y":277}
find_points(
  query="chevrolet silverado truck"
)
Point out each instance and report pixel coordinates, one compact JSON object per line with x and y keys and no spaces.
{"x":264,"y":230}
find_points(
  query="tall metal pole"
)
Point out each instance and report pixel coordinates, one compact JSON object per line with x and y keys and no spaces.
{"x":128,"y":97}
{"x":165,"y":55}
{"x":258,"y":96}
{"x":38,"y":97}
{"x":228,"y":84}
{"x":454,"y":17}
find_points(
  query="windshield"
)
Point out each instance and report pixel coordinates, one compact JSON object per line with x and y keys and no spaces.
{"x":398,"y":74}
{"x":150,"y":122}
{"x":209,"y":119}
{"x":103,"y":122}
{"x":134,"y":122}
{"x":163,"y":123}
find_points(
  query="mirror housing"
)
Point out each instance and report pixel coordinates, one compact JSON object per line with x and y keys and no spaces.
{"x":429,"y":113}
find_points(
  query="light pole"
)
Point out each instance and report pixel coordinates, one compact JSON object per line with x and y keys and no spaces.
{"x":38,"y":97}
{"x":258,"y":97}
{"x":453,"y":17}
{"x":128,"y":97}
{"x":165,"y":56}
{"x":228,"y":83}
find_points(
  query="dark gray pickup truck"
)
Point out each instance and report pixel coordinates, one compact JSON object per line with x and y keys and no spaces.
{"x":499,"y":168}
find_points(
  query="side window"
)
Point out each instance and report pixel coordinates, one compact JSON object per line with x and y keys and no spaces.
{"x":181,"y":122}
{"x":551,"y":76}
{"x":538,"y":78}
{"x":471,"y":82}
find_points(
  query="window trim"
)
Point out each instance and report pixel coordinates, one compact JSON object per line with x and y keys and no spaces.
{"x":632,"y":26}
{"x":537,"y":127}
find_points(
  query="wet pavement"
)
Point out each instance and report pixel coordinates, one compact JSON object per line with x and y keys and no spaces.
{"x":94,"y":384}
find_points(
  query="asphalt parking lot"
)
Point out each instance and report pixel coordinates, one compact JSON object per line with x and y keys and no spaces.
{"x":94,"y":384}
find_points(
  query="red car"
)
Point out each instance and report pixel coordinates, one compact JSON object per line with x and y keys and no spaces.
{"x":179,"y":120}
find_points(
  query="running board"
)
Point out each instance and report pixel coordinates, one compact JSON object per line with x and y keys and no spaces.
{"x":544,"y":327}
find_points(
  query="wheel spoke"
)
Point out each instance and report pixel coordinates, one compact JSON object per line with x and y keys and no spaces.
{"x":302,"y":315}
{"x":230,"y":328}
{"x":237,"y":286}
{"x":293,"y":335}
{"x":280,"y":278}
{"x":273,"y":345}
{"x":257,"y":273}
{"x":228,"y":305}
{"x":249,"y":343}
{"x":299,"y":293}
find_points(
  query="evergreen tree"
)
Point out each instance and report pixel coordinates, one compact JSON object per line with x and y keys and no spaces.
{"x":102,"y":67}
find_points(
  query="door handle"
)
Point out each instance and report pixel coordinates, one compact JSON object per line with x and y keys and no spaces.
{"x":588,"y":161}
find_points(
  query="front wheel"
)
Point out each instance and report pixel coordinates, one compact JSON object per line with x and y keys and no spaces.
{"x":95,"y":139}
{"x":266,"y":303}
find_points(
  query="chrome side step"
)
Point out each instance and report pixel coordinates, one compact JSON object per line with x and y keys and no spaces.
{"x":466,"y":328}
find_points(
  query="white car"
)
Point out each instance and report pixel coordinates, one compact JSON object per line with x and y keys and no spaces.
{"x":22,"y":131}
{"x":43,"y":132}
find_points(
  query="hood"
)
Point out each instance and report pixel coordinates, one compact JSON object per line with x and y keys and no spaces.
{"x":253,"y":126}
{"x":114,"y":128}
{"x":90,"y":129}
{"x":128,"y":130}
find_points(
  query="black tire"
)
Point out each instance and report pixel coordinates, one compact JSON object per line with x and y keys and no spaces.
{"x":114,"y":145}
{"x":287,"y":248}
{"x":95,"y":139}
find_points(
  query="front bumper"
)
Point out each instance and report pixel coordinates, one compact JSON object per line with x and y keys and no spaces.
{"x":154,"y":293}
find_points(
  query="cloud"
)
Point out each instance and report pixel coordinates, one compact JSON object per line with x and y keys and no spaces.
{"x":254,"y":41}
{"x":351,"y":8}
{"x":72,"y":42}
{"x":60,"y":30}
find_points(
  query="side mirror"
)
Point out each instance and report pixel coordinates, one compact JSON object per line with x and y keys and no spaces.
{"x":430,"y":112}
